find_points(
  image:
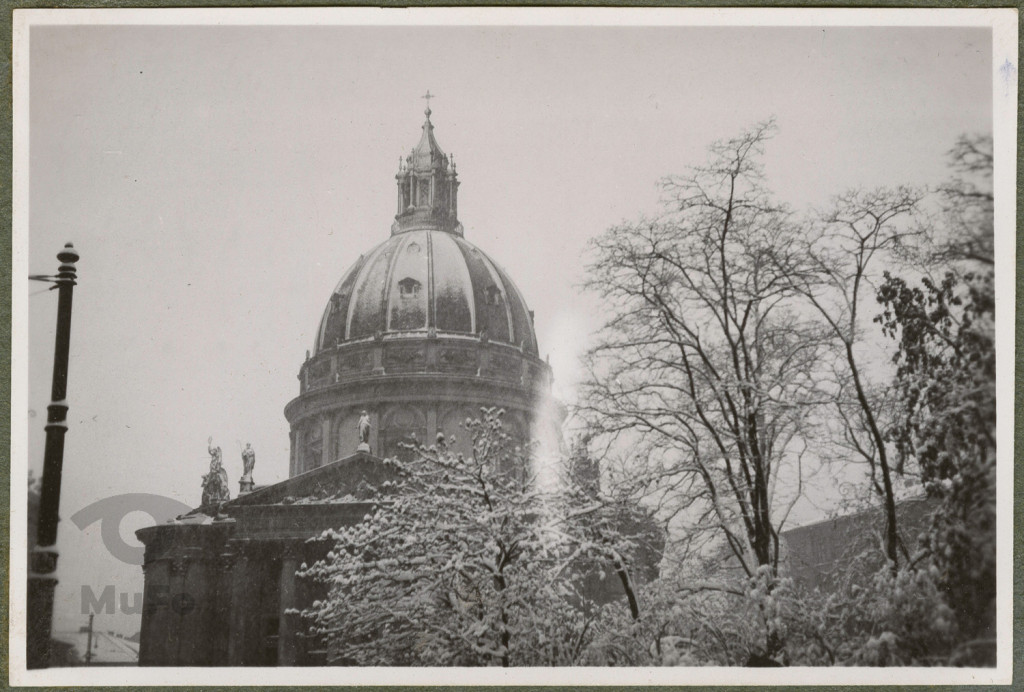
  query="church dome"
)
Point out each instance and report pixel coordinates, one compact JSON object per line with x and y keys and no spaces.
{"x":421,"y":333}
{"x":426,"y":278}
{"x":426,"y":281}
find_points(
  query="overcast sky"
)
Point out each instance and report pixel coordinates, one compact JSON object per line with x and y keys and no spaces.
{"x":218,"y":181}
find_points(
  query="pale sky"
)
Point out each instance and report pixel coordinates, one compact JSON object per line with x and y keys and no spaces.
{"x":218,"y":181}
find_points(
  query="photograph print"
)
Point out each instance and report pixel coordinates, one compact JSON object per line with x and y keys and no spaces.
{"x":503,"y":343}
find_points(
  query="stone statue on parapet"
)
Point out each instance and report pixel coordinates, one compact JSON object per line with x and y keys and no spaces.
{"x":364,"y":432}
{"x":215,"y":483}
{"x":246,"y":483}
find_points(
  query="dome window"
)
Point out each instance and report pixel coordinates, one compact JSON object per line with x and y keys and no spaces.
{"x":492,"y":295}
{"x":409,"y":287}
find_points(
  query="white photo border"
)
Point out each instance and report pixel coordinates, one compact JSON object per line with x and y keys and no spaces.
{"x":1002,"y":22}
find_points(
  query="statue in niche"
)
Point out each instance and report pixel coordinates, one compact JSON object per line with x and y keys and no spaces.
{"x":215,"y":483}
{"x":364,"y":432}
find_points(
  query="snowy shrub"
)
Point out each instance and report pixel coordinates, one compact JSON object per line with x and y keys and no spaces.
{"x":467,"y":563}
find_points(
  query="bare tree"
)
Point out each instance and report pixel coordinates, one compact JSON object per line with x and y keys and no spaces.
{"x":703,"y":363}
{"x":839,"y":261}
{"x":968,"y":205}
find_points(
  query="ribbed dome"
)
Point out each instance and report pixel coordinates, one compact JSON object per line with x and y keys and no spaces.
{"x":424,"y":280}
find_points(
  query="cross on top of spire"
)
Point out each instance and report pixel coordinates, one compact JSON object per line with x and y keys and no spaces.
{"x":428,"y":96}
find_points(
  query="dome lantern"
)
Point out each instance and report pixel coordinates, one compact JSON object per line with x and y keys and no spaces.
{"x":427,"y":187}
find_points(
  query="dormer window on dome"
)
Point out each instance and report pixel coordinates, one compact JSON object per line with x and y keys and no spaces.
{"x":409,"y":287}
{"x":493,"y":295}
{"x":428,"y":188}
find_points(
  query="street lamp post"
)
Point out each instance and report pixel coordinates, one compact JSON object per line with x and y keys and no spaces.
{"x":43,"y":558}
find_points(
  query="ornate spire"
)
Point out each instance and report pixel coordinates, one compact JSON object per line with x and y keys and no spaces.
{"x":428,"y":154}
{"x":427,"y":186}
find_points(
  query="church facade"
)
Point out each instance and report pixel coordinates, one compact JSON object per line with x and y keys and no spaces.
{"x":419,"y":334}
